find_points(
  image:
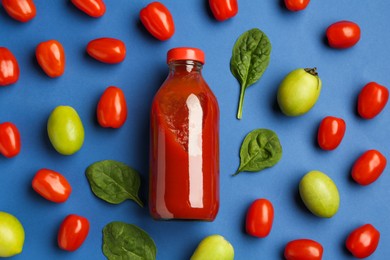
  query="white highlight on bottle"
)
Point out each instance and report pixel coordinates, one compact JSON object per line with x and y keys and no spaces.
{"x":195,"y":125}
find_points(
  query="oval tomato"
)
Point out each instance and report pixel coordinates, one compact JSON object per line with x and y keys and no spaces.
{"x":20,"y":10}
{"x":158,"y":20}
{"x":296,"y":5}
{"x":51,"y":185}
{"x":93,"y":8}
{"x":51,"y":57}
{"x":372,"y":100}
{"x":368,"y":167}
{"x":107,"y":50}
{"x":259,"y":218}
{"x":303,"y":249}
{"x":331,"y":132}
{"x":9,"y":67}
{"x":10,"y":143}
{"x":112,"y":108}
{"x":73,"y":231}
{"x":223,"y":9}
{"x":343,"y":34}
{"x":363,"y":241}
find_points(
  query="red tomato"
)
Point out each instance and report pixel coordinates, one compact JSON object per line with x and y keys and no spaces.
{"x":363,"y":241}
{"x":372,"y":99}
{"x":20,"y":10}
{"x":303,"y":249}
{"x":93,"y":8}
{"x":296,"y":5}
{"x":158,"y":20}
{"x":107,"y":50}
{"x":9,"y":68}
{"x":368,"y":167}
{"x":331,"y":132}
{"x":73,"y":232}
{"x":223,"y":9}
{"x":112,"y":108}
{"x":51,"y":57}
{"x":343,"y":34}
{"x":259,"y":218}
{"x":51,"y":185}
{"x":9,"y":140}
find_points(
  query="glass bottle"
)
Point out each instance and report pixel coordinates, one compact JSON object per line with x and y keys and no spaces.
{"x":184,"y":154}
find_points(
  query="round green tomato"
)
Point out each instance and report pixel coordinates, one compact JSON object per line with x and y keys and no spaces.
{"x":299,"y":91}
{"x":214,"y":247}
{"x":65,"y":130}
{"x":11,"y":235}
{"x":319,"y":194}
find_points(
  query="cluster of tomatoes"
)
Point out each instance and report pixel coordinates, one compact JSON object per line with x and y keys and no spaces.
{"x":373,"y":97}
{"x":112,"y":112}
{"x":111,"y":108}
{"x":363,"y":241}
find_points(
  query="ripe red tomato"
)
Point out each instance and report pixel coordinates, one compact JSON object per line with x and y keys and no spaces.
{"x":51,"y":185}
{"x":158,"y":20}
{"x":303,"y":249}
{"x":343,"y":34}
{"x":107,"y":50}
{"x":20,"y":10}
{"x":363,"y":241}
{"x":259,"y":218}
{"x":93,"y":8}
{"x":10,"y":143}
{"x":331,"y":132}
{"x":296,"y":5}
{"x":51,"y":57}
{"x":112,"y":108}
{"x":9,"y":68}
{"x":372,"y":99}
{"x":73,"y":232}
{"x":368,"y":167}
{"x":223,"y":9}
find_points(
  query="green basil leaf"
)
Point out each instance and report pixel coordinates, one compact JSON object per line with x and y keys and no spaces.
{"x":250,"y":58}
{"x":126,"y":241}
{"x":260,"y":149}
{"x":114,"y":181}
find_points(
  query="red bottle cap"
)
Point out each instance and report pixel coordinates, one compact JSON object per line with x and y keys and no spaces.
{"x":185,"y":53}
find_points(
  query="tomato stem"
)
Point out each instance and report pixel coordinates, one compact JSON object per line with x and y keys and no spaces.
{"x":312,"y":71}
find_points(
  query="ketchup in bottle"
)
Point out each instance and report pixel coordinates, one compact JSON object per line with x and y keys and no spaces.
{"x":184,"y":154}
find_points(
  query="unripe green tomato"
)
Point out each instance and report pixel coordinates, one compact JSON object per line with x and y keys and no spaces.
{"x":299,"y":91}
{"x":214,"y":247}
{"x":320,"y":194}
{"x":11,"y":235}
{"x":65,"y":130}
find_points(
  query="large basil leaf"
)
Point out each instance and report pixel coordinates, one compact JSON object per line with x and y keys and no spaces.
{"x":122,"y":241}
{"x":114,"y":181}
{"x":250,"y":58}
{"x":259,"y":150}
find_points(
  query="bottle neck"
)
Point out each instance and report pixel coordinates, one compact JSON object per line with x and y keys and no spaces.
{"x":185,"y":67}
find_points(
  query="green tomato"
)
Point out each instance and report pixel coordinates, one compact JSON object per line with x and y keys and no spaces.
{"x":11,"y":235}
{"x":299,"y":91}
{"x":214,"y":247}
{"x":319,"y":194}
{"x":65,"y":130}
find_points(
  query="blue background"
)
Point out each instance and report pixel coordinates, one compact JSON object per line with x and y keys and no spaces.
{"x":297,"y":40}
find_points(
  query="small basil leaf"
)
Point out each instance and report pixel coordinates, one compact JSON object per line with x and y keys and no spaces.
{"x":127,"y":241}
{"x":114,"y":181}
{"x":260,"y":149}
{"x":250,"y":58}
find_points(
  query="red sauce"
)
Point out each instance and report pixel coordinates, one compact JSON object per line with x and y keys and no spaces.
{"x":184,"y":174}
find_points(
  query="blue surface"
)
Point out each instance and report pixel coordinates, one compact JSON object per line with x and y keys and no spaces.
{"x":297,"y":40}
